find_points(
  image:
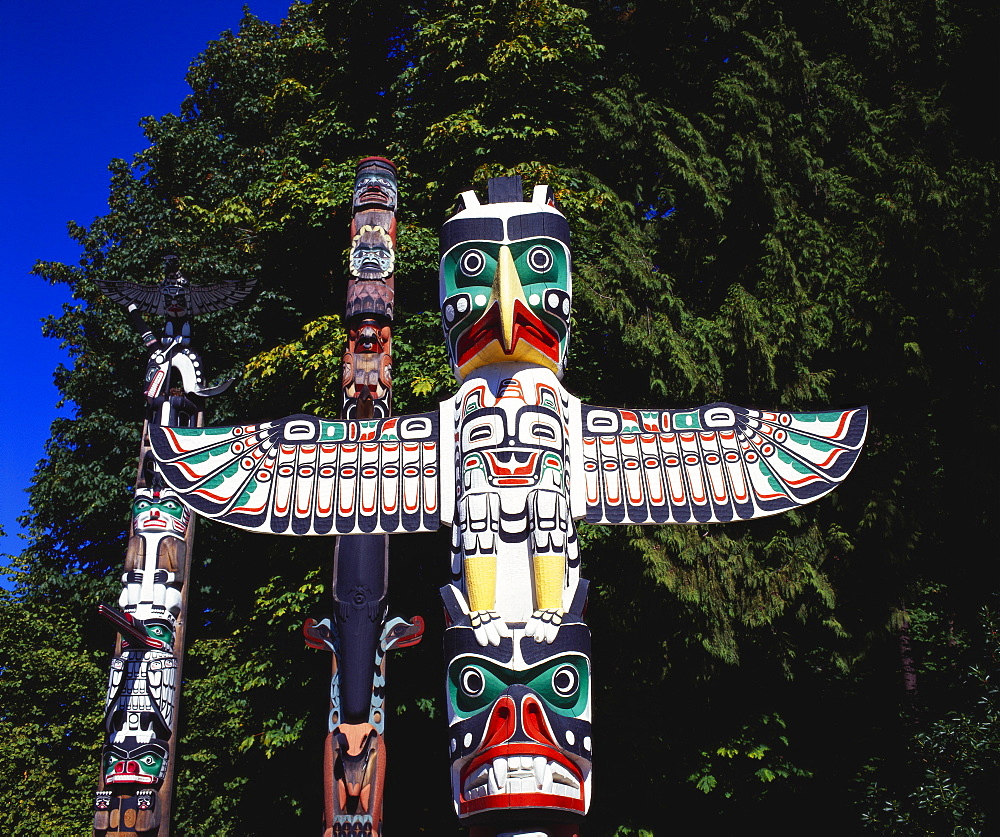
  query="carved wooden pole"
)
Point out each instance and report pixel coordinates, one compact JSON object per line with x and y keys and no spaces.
{"x":359,"y":635}
{"x":139,"y":758}
{"x":510,"y":462}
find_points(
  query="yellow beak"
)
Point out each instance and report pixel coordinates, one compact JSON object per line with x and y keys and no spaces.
{"x":506,"y":289}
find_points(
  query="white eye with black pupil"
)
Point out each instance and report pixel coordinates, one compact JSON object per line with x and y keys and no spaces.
{"x":472,"y":681}
{"x":472,"y":263}
{"x":565,"y":681}
{"x":540,"y":259}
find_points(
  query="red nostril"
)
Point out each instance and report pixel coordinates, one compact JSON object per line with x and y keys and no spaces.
{"x":501,"y":726}
{"x":534,"y":723}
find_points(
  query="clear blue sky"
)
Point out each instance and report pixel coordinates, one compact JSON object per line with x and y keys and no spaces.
{"x":75,"y":79}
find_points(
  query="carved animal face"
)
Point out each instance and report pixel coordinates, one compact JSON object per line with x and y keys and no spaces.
{"x":160,"y":513}
{"x":519,"y":721}
{"x":505,"y":285}
{"x":372,"y":255}
{"x":515,"y":438}
{"x":133,"y":763}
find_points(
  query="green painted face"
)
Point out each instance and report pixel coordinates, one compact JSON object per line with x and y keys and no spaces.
{"x":160,"y":631}
{"x":163,"y":514}
{"x":506,"y":286}
{"x":562,"y":682}
{"x":143,"y":764}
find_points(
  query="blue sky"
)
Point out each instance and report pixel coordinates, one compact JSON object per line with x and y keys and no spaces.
{"x":75,"y":79}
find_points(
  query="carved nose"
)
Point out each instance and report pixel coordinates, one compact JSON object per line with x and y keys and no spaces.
{"x":502,"y":724}
{"x":518,"y":715}
{"x":127,"y":768}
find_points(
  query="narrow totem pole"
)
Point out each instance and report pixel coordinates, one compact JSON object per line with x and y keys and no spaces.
{"x":139,"y":756}
{"x":510,"y":463}
{"x":359,"y":634}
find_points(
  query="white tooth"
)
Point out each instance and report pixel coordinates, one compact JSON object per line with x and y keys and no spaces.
{"x":538,"y":768}
{"x":528,"y":784}
{"x":500,"y":772}
{"x":477,"y":779}
{"x":526,"y":762}
{"x":562,"y":777}
{"x":493,"y":785}
{"x":547,"y":782}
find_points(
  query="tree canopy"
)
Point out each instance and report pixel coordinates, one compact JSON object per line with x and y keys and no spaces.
{"x":778,"y":204}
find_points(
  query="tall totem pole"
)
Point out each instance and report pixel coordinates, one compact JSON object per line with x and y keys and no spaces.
{"x":358,"y":634}
{"x":510,"y":462}
{"x":140,"y":710}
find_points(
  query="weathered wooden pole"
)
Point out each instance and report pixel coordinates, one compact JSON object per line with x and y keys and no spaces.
{"x":358,"y":634}
{"x":139,"y":758}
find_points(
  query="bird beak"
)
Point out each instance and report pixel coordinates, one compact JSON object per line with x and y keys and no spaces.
{"x":506,"y":289}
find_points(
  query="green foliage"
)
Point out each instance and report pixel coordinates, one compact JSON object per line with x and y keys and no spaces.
{"x":948,"y":784}
{"x":756,"y":753}
{"x":774,"y":204}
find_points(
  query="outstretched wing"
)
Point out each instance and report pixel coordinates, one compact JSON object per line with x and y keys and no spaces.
{"x":207,"y":298}
{"x":202,"y":299}
{"x":307,"y":476}
{"x":711,"y":464}
{"x":147,"y":298}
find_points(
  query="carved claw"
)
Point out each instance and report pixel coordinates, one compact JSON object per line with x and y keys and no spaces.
{"x":488,"y":627}
{"x":544,"y":624}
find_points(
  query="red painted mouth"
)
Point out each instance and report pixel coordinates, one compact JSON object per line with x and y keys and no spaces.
{"x":520,"y":774}
{"x":527,"y":327}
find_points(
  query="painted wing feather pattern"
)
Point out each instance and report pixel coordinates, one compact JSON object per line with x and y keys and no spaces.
{"x":202,"y":299}
{"x":307,"y":476}
{"x":712,"y":464}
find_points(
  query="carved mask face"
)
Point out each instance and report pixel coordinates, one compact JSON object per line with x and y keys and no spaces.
{"x":159,"y":513}
{"x":505,"y":285}
{"x":372,"y":255}
{"x":519,"y":721}
{"x":133,"y":763}
{"x":175,"y":296}
{"x":375,"y":184}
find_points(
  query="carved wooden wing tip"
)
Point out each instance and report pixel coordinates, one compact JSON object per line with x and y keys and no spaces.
{"x":713,"y":464}
{"x":308,"y":476}
{"x":208,"y":298}
{"x":147,"y":298}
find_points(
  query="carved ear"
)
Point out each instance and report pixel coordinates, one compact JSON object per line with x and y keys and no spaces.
{"x":466,"y":200}
{"x":544,"y":195}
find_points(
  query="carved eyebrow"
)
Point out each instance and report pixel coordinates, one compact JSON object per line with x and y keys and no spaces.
{"x":532,"y":224}
{"x":470,"y":229}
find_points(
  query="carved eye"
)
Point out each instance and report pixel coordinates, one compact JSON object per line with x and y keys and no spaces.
{"x":565,"y":681}
{"x":472,"y":263}
{"x":540,"y":259}
{"x":472,"y":681}
{"x":484,"y":431}
{"x":148,"y":760}
{"x":543,"y":431}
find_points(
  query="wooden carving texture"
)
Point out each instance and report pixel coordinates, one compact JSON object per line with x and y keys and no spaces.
{"x":140,"y":753}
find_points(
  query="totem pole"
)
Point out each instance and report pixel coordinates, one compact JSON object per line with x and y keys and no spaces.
{"x":358,"y":634}
{"x":134,"y":793}
{"x":510,"y":463}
